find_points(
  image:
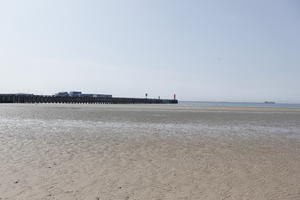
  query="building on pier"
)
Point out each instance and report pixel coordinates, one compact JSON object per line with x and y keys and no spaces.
{"x":80,"y":94}
{"x":62,"y":94}
{"x":75,"y":94}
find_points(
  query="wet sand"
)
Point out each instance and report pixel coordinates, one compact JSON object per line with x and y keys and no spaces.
{"x":142,"y":152}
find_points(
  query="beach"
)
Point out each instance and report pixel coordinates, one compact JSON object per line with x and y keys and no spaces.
{"x":155,"y":152}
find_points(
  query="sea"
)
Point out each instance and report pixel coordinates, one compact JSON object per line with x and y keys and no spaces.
{"x":237,"y":104}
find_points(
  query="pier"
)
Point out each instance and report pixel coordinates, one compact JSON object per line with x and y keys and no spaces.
{"x":19,"y":98}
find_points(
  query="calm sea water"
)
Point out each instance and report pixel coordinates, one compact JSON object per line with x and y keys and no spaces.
{"x":236,"y":104}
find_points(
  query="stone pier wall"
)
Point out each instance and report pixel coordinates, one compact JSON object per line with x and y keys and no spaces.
{"x":14,"y":98}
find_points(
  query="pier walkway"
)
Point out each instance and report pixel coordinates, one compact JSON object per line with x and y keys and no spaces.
{"x":15,"y":98}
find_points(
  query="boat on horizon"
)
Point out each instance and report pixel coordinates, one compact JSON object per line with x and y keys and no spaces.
{"x":269,"y":102}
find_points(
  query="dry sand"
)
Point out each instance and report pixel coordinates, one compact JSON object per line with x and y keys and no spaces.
{"x":142,"y":152}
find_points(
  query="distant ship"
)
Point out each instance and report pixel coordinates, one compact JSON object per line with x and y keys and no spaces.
{"x":269,"y":102}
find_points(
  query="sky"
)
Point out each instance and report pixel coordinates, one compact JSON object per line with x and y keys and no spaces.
{"x":231,"y":50}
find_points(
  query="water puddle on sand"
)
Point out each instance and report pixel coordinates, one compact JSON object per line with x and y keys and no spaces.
{"x":17,"y":126}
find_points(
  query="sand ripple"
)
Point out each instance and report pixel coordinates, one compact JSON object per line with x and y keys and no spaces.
{"x":183,"y":155}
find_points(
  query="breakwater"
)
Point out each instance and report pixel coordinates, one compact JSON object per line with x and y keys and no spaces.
{"x":15,"y":98}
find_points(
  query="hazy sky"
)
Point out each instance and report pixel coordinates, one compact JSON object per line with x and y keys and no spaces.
{"x":201,"y":50}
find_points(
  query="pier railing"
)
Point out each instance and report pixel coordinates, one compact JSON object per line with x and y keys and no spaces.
{"x":15,"y":98}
